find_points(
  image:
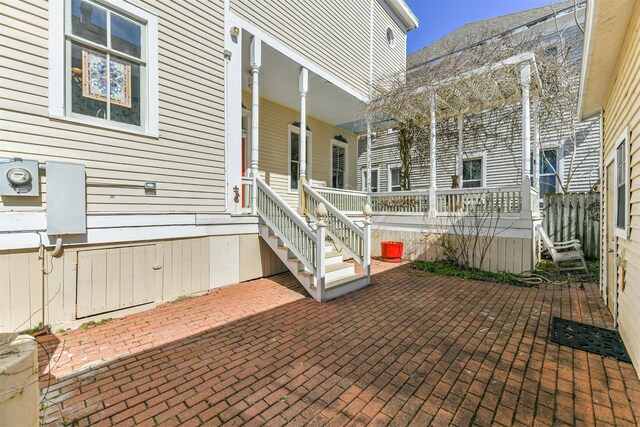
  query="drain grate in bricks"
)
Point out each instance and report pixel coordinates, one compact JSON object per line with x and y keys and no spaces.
{"x":605,"y":342}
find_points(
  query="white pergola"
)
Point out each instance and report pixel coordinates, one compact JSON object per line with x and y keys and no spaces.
{"x":504,"y":82}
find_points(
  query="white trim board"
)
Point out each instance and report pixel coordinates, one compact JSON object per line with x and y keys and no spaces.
{"x":26,"y":229}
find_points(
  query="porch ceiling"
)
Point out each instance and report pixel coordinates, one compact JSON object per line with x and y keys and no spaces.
{"x":279,"y":83}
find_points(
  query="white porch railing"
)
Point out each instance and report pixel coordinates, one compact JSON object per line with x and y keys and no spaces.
{"x":480,"y":200}
{"x":290,"y":228}
{"x":355,"y":240}
{"x":344,"y":200}
{"x":400,"y":201}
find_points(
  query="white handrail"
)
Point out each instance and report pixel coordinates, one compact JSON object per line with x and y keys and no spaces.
{"x":308,"y":245}
{"x":355,"y":244}
{"x":338,"y":190}
{"x":342,"y":217}
{"x":285,"y":207}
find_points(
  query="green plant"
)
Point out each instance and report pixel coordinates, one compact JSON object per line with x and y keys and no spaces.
{"x":92,"y":324}
{"x":443,"y":268}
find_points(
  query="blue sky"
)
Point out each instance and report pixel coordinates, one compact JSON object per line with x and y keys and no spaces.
{"x":440,"y":17}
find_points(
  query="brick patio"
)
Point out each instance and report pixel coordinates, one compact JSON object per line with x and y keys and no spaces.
{"x":413,"y":348}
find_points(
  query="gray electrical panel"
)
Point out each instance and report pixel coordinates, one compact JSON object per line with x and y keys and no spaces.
{"x":66,"y":199}
{"x":19,"y":178}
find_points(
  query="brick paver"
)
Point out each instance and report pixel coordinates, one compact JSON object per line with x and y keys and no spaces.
{"x":412,"y":349}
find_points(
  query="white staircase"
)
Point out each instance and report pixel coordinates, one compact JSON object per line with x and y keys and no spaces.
{"x":318,"y":265}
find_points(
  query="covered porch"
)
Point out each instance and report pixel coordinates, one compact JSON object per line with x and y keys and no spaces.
{"x":292,"y":126}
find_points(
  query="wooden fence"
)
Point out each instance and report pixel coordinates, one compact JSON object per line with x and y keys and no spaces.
{"x":574,"y":216}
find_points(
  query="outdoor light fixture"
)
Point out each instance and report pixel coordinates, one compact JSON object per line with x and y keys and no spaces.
{"x":150,"y":185}
{"x":235,"y":32}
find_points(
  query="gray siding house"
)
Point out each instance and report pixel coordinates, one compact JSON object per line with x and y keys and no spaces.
{"x":495,"y":160}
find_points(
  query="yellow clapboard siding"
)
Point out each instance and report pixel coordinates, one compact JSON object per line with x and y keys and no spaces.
{"x":622,"y":110}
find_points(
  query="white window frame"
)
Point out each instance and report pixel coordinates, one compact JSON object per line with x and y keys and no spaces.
{"x":345,"y":146}
{"x":389,"y":168}
{"x":296,"y":130}
{"x":57,"y":72}
{"x":479,"y":155}
{"x":621,"y":232}
{"x":363,"y":178}
{"x":558,"y":168}
{"x":390,"y":42}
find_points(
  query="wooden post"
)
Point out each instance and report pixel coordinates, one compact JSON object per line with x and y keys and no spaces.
{"x":256,"y":60}
{"x":366,"y":257}
{"x":321,"y":214}
{"x":432,"y":160}
{"x":303,"y":86}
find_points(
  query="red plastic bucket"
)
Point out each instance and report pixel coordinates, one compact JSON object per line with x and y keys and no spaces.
{"x":392,"y":251}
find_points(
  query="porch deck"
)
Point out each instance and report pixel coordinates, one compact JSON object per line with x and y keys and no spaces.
{"x":414,"y":348}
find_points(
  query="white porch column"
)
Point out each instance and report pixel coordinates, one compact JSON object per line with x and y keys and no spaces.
{"x":256,"y":60}
{"x":303,"y":86}
{"x":536,"y":154}
{"x":525,"y":80}
{"x":367,"y":184}
{"x":460,"y":144}
{"x":536,"y":143}
{"x":432,"y":160}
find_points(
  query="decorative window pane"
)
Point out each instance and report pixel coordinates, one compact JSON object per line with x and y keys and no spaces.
{"x":101,"y":83}
{"x":125,"y":36}
{"x":125,"y":92}
{"x":338,"y":165}
{"x":88,"y":87}
{"x":472,"y":173}
{"x":89,"y":22}
{"x":621,"y":183}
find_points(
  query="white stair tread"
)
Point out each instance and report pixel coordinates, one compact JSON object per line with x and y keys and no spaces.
{"x":337,"y":266}
{"x":343,"y":281}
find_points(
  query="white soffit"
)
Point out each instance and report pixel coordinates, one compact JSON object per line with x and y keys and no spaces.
{"x":606,"y":28}
{"x":278,"y":80}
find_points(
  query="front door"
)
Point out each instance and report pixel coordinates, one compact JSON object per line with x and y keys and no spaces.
{"x":610,"y":243}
